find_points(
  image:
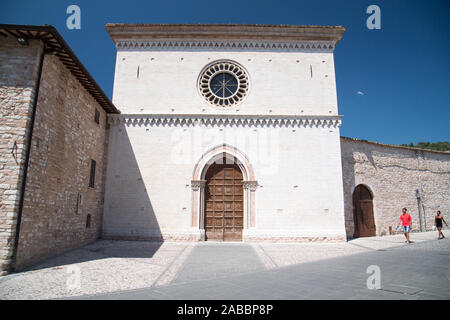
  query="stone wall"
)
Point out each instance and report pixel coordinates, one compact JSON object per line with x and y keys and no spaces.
{"x":281,"y":82}
{"x":151,"y":165}
{"x":297,"y":166}
{"x":18,"y":75}
{"x":65,"y":139}
{"x":393,"y":174}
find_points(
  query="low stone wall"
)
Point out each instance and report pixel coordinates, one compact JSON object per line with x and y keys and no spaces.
{"x":393,"y":174}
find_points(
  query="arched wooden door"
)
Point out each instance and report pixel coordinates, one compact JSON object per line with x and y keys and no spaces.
{"x":224,"y":203}
{"x":363,"y":212}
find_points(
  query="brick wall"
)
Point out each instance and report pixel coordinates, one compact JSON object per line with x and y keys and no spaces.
{"x":18,"y":76}
{"x":393,"y":174}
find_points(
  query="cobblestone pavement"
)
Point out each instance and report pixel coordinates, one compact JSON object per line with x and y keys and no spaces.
{"x":208,"y":270}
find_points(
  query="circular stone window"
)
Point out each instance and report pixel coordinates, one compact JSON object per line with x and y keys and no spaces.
{"x":224,"y":83}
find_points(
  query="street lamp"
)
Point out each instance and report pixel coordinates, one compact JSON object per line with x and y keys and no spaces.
{"x":22,"y":41}
{"x":419,"y":204}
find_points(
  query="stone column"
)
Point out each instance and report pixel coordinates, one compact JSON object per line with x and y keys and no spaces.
{"x":250,"y":187}
{"x":198,"y":191}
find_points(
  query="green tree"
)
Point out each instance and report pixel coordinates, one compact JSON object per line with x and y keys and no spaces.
{"x":438,"y":146}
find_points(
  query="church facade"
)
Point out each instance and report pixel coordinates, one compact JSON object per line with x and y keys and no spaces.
{"x":215,"y":133}
{"x":225,"y":133}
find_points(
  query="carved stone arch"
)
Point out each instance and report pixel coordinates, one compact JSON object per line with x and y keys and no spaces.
{"x":210,"y":156}
{"x":198,"y":182}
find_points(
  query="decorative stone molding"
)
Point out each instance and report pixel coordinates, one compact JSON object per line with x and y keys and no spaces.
{"x":197,"y":184}
{"x":251,"y":185}
{"x":225,"y":120}
{"x":156,"y":45}
{"x":223,"y":32}
{"x":223,"y":93}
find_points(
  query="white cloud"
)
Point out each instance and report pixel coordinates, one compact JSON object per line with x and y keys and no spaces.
{"x":360,"y":93}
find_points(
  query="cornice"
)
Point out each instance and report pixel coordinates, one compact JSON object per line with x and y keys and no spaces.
{"x":226,"y":45}
{"x":224,"y":120}
{"x":225,"y":31}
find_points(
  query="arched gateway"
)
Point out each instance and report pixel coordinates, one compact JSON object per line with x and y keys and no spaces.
{"x":223,"y":194}
{"x":363,"y":212}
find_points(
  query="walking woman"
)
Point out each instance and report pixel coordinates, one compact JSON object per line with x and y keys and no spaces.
{"x":438,"y":223}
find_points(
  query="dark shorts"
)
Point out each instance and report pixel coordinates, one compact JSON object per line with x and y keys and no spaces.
{"x":406,"y":229}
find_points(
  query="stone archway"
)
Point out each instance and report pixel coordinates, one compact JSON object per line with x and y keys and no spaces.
{"x":363,"y":218}
{"x":232,"y":158}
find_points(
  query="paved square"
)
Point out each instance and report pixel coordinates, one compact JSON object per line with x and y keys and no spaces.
{"x":212,"y":270}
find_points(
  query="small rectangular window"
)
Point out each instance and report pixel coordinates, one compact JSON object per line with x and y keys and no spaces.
{"x":79,"y":203}
{"x":97,"y":117}
{"x":92,"y":175}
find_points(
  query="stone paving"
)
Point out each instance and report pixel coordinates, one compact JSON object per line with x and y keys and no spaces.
{"x":105,"y":266}
{"x":213,"y":260}
{"x":208,"y":270}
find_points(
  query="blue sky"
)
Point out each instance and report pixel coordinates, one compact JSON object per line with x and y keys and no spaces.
{"x":401,"y":72}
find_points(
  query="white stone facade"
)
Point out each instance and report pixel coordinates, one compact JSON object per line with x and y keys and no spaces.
{"x":284,"y":135}
{"x":282,"y":82}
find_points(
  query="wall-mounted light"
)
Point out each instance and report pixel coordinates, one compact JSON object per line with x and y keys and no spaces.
{"x":23,"y":41}
{"x":14,"y":151}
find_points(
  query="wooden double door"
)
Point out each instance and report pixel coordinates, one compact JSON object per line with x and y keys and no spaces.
{"x":224,"y":203}
{"x":363,"y":213}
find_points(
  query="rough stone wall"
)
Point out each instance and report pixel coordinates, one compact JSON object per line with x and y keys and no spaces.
{"x":65,"y":139}
{"x":393,"y":174}
{"x":18,"y":76}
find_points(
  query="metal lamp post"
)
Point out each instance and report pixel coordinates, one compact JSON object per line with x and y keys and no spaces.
{"x":419,"y":204}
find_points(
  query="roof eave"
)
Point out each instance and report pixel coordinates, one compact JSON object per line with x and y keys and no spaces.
{"x":54,"y":43}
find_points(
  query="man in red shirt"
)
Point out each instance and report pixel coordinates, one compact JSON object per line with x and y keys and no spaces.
{"x":406,"y":221}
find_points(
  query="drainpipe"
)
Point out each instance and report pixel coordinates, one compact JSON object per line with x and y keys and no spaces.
{"x":27,"y":159}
